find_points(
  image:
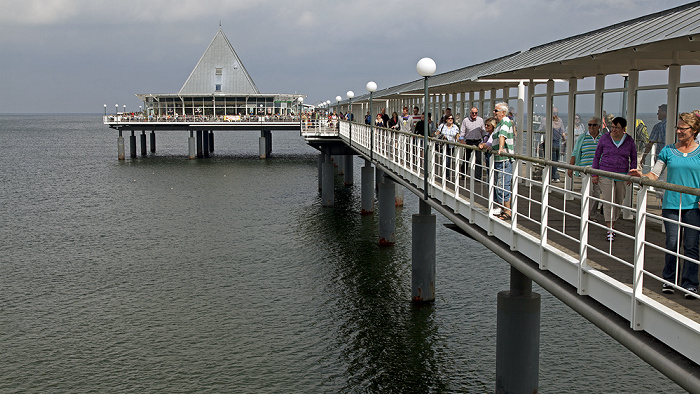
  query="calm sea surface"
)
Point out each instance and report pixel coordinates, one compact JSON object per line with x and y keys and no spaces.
{"x":165,"y":274}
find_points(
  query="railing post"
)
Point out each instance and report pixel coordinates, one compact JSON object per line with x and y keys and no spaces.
{"x":638,"y":278}
{"x":472,"y":182}
{"x":586,"y":185}
{"x":544,"y":212}
{"x":514,"y":204}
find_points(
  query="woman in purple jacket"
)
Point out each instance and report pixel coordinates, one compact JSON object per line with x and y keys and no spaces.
{"x":616,"y":152}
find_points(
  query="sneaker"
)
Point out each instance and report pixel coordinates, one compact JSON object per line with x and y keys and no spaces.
{"x":496,"y":211}
{"x":667,"y":289}
{"x":692,"y":292}
{"x":610,"y":236}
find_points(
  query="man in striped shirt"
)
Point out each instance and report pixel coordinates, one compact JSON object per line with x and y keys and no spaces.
{"x":503,"y":165}
{"x":583,"y":153}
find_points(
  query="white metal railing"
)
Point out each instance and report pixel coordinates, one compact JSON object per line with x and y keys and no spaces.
{"x":553,"y":230}
{"x":127,"y":118}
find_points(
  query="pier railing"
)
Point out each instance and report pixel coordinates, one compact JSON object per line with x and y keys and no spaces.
{"x":126,"y":118}
{"x":551,"y":225}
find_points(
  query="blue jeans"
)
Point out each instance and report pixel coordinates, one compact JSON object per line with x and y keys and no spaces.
{"x":504,"y":174}
{"x":689,"y":277}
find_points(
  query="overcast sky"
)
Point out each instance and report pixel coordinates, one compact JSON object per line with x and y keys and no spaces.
{"x":76,"y":55}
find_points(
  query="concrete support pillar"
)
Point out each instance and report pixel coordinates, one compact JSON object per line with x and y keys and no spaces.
{"x":205,"y":143}
{"x":200,"y":154}
{"x":340,"y":162}
{"x":192,"y":153}
{"x":132,"y":144}
{"x":211,"y":141}
{"x":387,"y":211}
{"x":262,"y":145}
{"x":321,"y":158}
{"x":153,"y":141}
{"x":518,"y":337}
{"x":327,"y":192}
{"x":268,"y":141}
{"x":423,"y":241}
{"x":120,"y":146}
{"x":398,"y":197}
{"x":348,"y":171}
{"x":367,"y":180}
{"x":143,"y":143}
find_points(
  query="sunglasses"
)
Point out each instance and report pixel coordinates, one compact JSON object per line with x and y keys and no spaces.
{"x":592,"y":124}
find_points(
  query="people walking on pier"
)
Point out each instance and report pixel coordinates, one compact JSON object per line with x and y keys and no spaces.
{"x":503,"y":165}
{"x":415,"y":118}
{"x":616,"y":152}
{"x":584,"y":151}
{"x":658,"y":134}
{"x":405,"y":121}
{"x":472,"y":133}
{"x":682,"y":164}
{"x":394,"y":122}
{"x":449,"y":132}
{"x":379,"y":122}
{"x":490,"y":125}
{"x":558,"y":139}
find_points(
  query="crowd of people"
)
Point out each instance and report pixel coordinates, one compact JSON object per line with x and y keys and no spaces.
{"x":604,"y":145}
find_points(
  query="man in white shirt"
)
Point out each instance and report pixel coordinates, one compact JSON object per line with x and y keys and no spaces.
{"x":472,"y":133}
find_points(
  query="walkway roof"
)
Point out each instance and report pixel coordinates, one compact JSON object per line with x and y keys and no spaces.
{"x":651,"y":42}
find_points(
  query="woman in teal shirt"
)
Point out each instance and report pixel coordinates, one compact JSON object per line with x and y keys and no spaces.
{"x":682,"y":164}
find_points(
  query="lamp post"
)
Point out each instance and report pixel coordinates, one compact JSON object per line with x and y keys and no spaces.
{"x":105,"y":105}
{"x":116,"y":109}
{"x":337,"y":106}
{"x":371,"y":88}
{"x":350,"y":94}
{"x":425,"y":67}
{"x":124,"y":111}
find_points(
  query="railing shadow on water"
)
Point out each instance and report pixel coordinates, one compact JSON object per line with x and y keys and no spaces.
{"x":550,"y":223}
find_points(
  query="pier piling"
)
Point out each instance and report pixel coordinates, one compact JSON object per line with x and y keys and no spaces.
{"x":143,"y":143}
{"x":518,"y":337}
{"x":132,"y":145}
{"x":327,"y":192}
{"x":367,"y":184}
{"x":191,"y":145}
{"x":387,"y":210}
{"x":423,"y":241}
{"x":348,"y":172}
{"x":120,"y":146}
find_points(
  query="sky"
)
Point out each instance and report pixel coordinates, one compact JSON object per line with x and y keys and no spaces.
{"x":74,"y":56}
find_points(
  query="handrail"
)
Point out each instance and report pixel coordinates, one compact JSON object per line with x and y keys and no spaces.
{"x":538,"y":228}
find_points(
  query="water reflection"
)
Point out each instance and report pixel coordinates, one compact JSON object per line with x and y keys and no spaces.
{"x":387,"y":342}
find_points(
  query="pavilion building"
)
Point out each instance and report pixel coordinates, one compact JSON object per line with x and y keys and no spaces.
{"x":219,"y":88}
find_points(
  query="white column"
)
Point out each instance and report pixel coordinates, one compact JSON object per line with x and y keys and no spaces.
{"x":598,"y":103}
{"x":520,"y":122}
{"x":530,"y":124}
{"x":674,"y":79}
{"x":569,"y":182}
{"x":632,"y":83}
{"x":548,"y":126}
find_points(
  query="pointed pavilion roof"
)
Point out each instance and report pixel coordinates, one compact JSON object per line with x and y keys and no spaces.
{"x":220,"y":57}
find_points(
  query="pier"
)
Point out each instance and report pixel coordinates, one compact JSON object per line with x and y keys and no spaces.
{"x":550,"y":239}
